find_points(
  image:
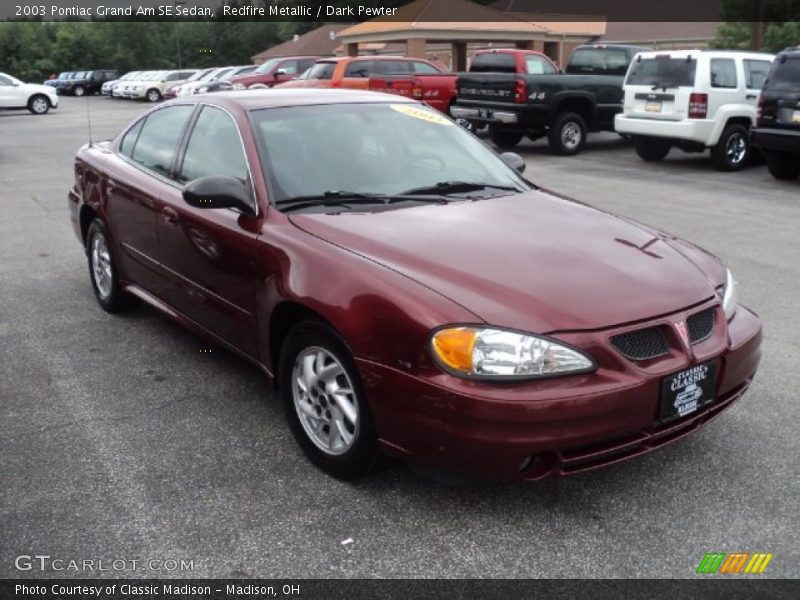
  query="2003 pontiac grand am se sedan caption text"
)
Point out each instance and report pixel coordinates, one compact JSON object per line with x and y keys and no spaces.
{"x":355,"y":247}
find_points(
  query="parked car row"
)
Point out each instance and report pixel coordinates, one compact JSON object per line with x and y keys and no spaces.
{"x":82,"y":83}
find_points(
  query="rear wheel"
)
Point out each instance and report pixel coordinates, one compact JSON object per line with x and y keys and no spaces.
{"x":38,"y":104}
{"x":567,"y":134}
{"x":504,"y":138}
{"x":783,"y":165}
{"x":153,"y":95}
{"x":732,"y":149}
{"x":651,"y":149}
{"x":324,"y":402}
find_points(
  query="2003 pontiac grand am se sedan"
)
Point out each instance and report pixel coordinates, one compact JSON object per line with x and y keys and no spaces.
{"x":406,"y":288}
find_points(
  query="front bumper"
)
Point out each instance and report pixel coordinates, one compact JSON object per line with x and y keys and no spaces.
{"x":553,"y":427}
{"x":691,"y":130}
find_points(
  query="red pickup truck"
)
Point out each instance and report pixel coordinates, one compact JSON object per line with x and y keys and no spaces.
{"x":439,"y":89}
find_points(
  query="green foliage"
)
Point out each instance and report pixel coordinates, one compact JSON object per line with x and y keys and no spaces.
{"x":33,"y":50}
{"x":781,"y":24}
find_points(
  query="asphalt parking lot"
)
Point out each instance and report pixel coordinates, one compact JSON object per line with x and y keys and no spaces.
{"x":121,"y":439}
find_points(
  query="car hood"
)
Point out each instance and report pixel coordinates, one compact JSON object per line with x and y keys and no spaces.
{"x":531,"y":261}
{"x":31,"y":88}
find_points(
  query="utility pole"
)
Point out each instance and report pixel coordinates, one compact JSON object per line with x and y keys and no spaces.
{"x":758,"y":26}
{"x":178,"y":33}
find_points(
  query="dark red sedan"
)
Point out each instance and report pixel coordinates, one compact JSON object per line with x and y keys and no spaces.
{"x":406,"y":289}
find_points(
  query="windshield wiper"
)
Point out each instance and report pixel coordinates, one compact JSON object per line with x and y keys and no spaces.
{"x":459,"y":187}
{"x":342,"y":198}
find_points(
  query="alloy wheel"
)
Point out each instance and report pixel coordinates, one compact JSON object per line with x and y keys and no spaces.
{"x":101,"y":266}
{"x":324,"y":398}
{"x":736,"y":148}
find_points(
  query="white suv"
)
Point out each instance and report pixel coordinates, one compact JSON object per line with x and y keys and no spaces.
{"x":36,"y":98}
{"x":694,"y":100}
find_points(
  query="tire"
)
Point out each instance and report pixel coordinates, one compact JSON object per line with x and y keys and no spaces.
{"x":311,"y":347}
{"x":79,"y":91}
{"x":503,"y":138}
{"x":38,"y":104}
{"x":567,"y":134}
{"x":783,"y":165}
{"x":103,"y":270}
{"x":732,"y":150}
{"x":153,"y":95}
{"x":651,"y":149}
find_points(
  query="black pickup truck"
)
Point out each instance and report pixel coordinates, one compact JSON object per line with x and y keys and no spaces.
{"x":564,"y":106}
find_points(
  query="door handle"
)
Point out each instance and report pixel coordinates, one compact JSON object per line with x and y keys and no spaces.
{"x":170,"y":216}
{"x":751,"y":96}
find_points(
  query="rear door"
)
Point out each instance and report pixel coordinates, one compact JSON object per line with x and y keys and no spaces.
{"x":658,"y":87}
{"x":726,"y":81}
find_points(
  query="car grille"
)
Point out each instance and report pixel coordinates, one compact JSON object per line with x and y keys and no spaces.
{"x":700,"y":325}
{"x":642,"y":344}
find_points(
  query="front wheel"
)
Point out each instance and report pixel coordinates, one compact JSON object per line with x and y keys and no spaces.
{"x":782,"y":165}
{"x":153,"y":95}
{"x":103,"y":270}
{"x":651,"y":149}
{"x":732,"y":149}
{"x":503,"y":138}
{"x":324,"y":402}
{"x":79,"y":90}
{"x":39,"y":105}
{"x":567,"y":134}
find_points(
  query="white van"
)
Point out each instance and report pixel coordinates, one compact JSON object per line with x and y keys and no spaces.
{"x":694,"y":100}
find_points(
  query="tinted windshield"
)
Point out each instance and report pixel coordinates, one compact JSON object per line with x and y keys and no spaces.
{"x":267,"y":66}
{"x":370,"y":149}
{"x":662,"y":72}
{"x":598,"y":61}
{"x":785,"y":75}
{"x":321,"y":70}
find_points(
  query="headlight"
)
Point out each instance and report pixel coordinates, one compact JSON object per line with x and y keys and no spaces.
{"x":730,"y":298}
{"x":496,"y":353}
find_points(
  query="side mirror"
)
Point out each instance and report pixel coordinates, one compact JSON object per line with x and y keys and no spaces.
{"x":218,"y":191}
{"x":514,"y":160}
{"x":279,"y":72}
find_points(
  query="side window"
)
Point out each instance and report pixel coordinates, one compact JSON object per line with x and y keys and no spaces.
{"x":755,"y":72}
{"x":424,"y":68}
{"x":359,"y":68}
{"x":305,"y":64}
{"x":214,"y":148}
{"x":723,"y":73}
{"x":536,"y":65}
{"x":129,"y":141}
{"x":289,"y":67}
{"x":159,"y":138}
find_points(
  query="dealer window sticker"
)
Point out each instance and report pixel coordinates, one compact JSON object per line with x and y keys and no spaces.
{"x":422,"y":114}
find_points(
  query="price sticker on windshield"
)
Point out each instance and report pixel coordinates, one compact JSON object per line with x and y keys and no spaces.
{"x":422,"y":114}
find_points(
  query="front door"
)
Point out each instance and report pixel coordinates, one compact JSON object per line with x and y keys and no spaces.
{"x":211,"y":255}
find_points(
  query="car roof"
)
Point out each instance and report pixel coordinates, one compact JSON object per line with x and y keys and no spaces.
{"x":248,"y":100}
{"x":706,"y":52}
{"x":338,"y":59}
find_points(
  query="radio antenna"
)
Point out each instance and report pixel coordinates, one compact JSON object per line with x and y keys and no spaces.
{"x":89,"y":119}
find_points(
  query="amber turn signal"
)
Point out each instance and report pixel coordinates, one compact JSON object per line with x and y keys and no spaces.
{"x":454,"y":347}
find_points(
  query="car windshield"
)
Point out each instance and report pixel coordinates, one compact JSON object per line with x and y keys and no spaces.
{"x":374,"y":149}
{"x":785,"y":76}
{"x":267,"y":66}
{"x":130,"y":75}
{"x":662,"y":72}
{"x":63,"y":75}
{"x":200,"y":75}
{"x":155,"y":75}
